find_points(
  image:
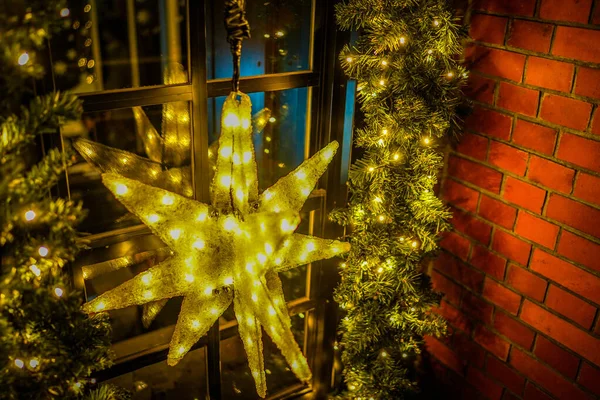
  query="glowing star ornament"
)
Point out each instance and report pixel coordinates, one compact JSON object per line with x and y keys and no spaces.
{"x":230,"y":250}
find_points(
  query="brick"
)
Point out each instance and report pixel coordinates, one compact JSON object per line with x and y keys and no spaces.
{"x":577,"y":43}
{"x":514,"y":330}
{"x":497,"y":212}
{"x":501,"y":296}
{"x":536,"y":230}
{"x":567,"y":112}
{"x":589,"y":377}
{"x":509,"y":396}
{"x":454,"y":268}
{"x":489,"y":122}
{"x":522,"y":7}
{"x":492,"y":342}
{"x":596,"y":121}
{"x":596,"y":15}
{"x":475,"y":173}
{"x":488,"y":262}
{"x":559,"y":359}
{"x":459,"y":195}
{"x":587,"y":187}
{"x":471,"y":226}
{"x":526,"y":282}
{"x":518,"y":99}
{"x":530,"y":35}
{"x":483,"y":384}
{"x":545,"y":377}
{"x":444,"y":354}
{"x":505,"y":375}
{"x":451,"y":290}
{"x":524,"y":194}
{"x":570,"y":306}
{"x":473,"y":146}
{"x":579,"y":151}
{"x":468,"y":350}
{"x":534,"y":393}
{"x":549,"y":74}
{"x":488,"y":28}
{"x":580,"y":250}
{"x":566,"y":274}
{"x":455,"y":244}
{"x":480,"y":88}
{"x":535,"y":137}
{"x":508,"y":158}
{"x":455,"y":317}
{"x":563,"y":332}
{"x":550,"y":174}
{"x":588,"y":82}
{"x":495,"y":62}
{"x":574,"y":214}
{"x":513,"y":248}
{"x":566,"y":10}
{"x":477,"y":308}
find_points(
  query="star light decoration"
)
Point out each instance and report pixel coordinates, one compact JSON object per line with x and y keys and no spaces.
{"x":230,"y":250}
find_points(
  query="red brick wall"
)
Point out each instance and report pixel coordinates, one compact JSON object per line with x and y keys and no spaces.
{"x":521,"y":271}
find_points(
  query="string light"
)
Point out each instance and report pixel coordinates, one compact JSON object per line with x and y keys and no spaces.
{"x":436,"y":22}
{"x":58,"y":292}
{"x":65,"y":12}
{"x":450,"y":74}
{"x":23,"y":58}
{"x":427,"y":140}
{"x":19,"y":363}
{"x":36,"y":271}
{"x":402,"y":40}
{"x":272,"y":119}
{"x":384,"y":62}
{"x":34,"y":363}
{"x":29,"y":215}
{"x":43,"y":251}
{"x":279,"y":34}
{"x":396,"y":156}
{"x":349,"y":59}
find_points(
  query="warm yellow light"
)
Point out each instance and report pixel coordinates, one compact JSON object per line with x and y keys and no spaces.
{"x":250,"y":267}
{"x":228,"y":280}
{"x":278,"y":261}
{"x":34,"y":363}
{"x":383,"y":62}
{"x":199,"y":244}
{"x":168,"y":200}
{"x":254,"y":297}
{"x":245,"y":123}
{"x":414,"y":243}
{"x":195,"y":324}
{"x":382,"y":82}
{"x":175,"y":233}
{"x":300,"y":174}
{"x":272,"y":119}
{"x":29,"y":215}
{"x":429,"y":51}
{"x":58,"y":292}
{"x":380,"y":269}
{"x":384,"y":354}
{"x":239,"y":194}
{"x":189,"y":278}
{"x":247,"y":156}
{"x":402,"y":40}
{"x":380,"y":142}
{"x":230,"y":224}
{"x":152,"y":218}
{"x":201,"y":217}
{"x":43,"y":251}
{"x":436,"y":22}
{"x":450,"y":74}
{"x":100,"y":306}
{"x":36,"y":271}
{"x":381,"y":218}
{"x":268,"y":195}
{"x":384,"y":131}
{"x":286,"y":226}
{"x":148,"y":294}
{"x":305,"y":191}
{"x":279,"y":33}
{"x":181,"y":350}
{"x":231,"y":120}
{"x":208,"y":291}
{"x":225,"y":180}
{"x":426,"y":140}
{"x":266,"y":35}
{"x":19,"y":363}
{"x":271,"y":311}
{"x":23,"y":58}
{"x":121,"y":189}
{"x":378,"y":199}
{"x":343,"y":265}
{"x":349,"y":59}
{"x":261,"y":258}
{"x":396,"y":157}
{"x":268,"y":248}
{"x":225,"y":151}
{"x":371,"y":169}
{"x":146,"y":278}
{"x":310,"y":246}
{"x":214,"y":311}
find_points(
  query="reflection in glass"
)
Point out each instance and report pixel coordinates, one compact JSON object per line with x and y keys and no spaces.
{"x":236,"y":378}
{"x":151,"y":144}
{"x":185,"y":381}
{"x":115,"y":44}
{"x":280,"y":38}
{"x":280,"y":147}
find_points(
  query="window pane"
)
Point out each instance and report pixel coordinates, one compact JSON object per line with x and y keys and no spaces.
{"x":185,"y":381}
{"x":236,"y":378}
{"x":280,"y":38}
{"x":150,"y":144}
{"x":115,"y":44}
{"x":280,"y":146}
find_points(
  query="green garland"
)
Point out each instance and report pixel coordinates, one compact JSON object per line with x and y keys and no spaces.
{"x":405,"y":63}
{"x":48,"y":346}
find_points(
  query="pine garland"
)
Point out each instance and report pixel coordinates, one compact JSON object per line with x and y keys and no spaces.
{"x":405,"y":62}
{"x":48,"y":346}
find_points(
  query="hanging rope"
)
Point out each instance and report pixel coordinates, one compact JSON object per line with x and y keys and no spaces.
{"x":238,"y":29}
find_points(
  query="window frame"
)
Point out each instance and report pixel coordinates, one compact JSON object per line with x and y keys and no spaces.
{"x":325,"y":112}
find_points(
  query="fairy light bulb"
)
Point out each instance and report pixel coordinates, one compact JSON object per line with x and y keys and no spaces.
{"x":427,"y":140}
{"x":382,"y":82}
{"x":43,"y":251}
{"x":29,"y":215}
{"x":58,"y":292}
{"x":450,"y":74}
{"x":279,"y":34}
{"x":36,"y":271}
{"x":349,"y":59}
{"x":384,"y":131}
{"x":272,"y":119}
{"x":121,"y":189}
{"x":371,"y":169}
{"x":231,"y":120}
{"x":34,"y":363}
{"x":402,"y":40}
{"x":65,"y":12}
{"x":23,"y":58}
{"x":19,"y":363}
{"x":436,"y":22}
{"x":396,"y":156}
{"x":384,"y":62}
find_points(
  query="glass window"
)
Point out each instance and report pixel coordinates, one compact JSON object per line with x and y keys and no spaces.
{"x":150,"y":144}
{"x":185,"y":381}
{"x":280,"y":145}
{"x":115,"y":44}
{"x":280,"y":42}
